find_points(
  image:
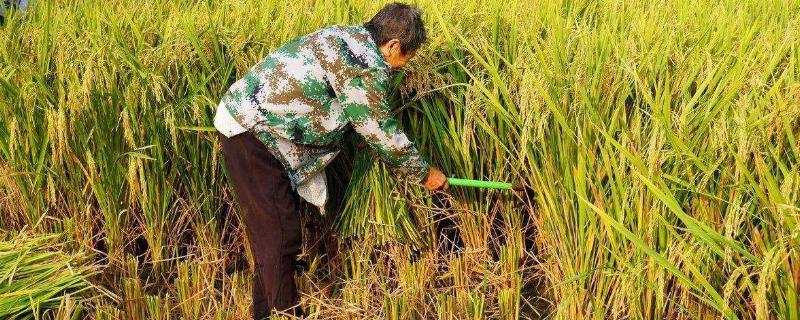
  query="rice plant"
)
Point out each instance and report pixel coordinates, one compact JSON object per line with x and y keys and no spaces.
{"x":656,"y":141}
{"x":38,"y":279}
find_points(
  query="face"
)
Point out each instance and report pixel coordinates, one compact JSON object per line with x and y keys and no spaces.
{"x":394,"y":56}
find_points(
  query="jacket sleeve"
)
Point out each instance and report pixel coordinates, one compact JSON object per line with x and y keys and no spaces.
{"x":363,"y":99}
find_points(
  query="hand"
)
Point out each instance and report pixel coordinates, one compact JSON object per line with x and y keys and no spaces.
{"x":436,"y":180}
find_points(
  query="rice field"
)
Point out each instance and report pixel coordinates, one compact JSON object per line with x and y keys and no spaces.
{"x":657,"y":141}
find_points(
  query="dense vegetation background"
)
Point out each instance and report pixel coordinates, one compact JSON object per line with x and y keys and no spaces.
{"x":657,"y":139}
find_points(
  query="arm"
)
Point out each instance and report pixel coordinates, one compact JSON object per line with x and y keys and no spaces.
{"x":361,"y":91}
{"x":363,"y":99}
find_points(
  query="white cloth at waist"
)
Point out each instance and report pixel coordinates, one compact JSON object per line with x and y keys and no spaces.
{"x":314,"y":190}
{"x":225,"y":123}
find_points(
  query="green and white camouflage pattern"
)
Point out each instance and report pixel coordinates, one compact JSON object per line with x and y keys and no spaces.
{"x":301,"y":99}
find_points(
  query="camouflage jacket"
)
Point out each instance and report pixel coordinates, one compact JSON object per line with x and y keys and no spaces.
{"x":302,"y":98}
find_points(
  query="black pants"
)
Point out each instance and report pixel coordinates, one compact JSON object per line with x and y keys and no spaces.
{"x":269,"y":209}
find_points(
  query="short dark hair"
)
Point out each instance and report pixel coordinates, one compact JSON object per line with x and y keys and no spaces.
{"x":398,"y":21}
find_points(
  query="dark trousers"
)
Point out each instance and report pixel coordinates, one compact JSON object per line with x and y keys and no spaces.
{"x":269,"y":209}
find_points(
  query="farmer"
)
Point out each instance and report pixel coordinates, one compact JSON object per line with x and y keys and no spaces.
{"x":283,"y":123}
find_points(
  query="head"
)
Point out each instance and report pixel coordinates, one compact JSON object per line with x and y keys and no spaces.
{"x":399,"y":32}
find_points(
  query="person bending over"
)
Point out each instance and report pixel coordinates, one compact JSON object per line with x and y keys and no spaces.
{"x":284,"y":121}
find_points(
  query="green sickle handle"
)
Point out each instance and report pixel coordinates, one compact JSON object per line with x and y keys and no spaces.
{"x":479,"y":184}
